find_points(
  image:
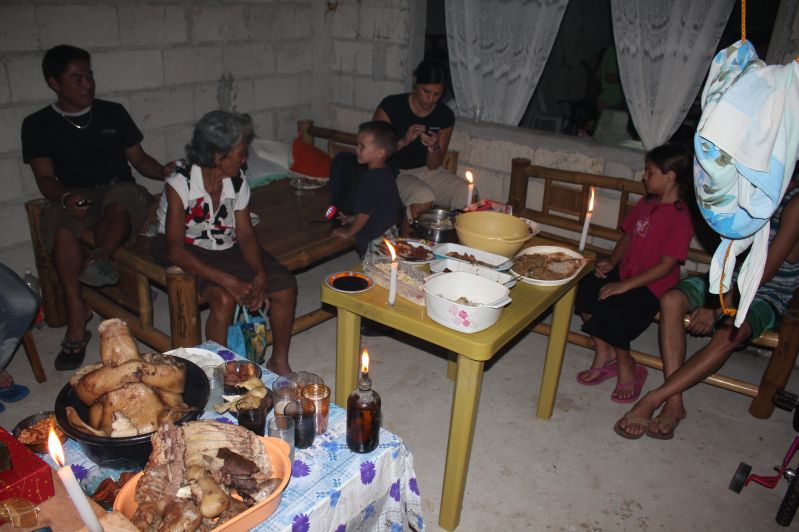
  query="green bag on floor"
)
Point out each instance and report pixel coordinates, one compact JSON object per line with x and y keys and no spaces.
{"x":247,"y":335}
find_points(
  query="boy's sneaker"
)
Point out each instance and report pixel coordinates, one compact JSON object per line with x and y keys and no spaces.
{"x":99,"y":273}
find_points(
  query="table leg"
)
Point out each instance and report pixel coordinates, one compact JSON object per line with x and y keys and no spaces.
{"x":452,"y":364}
{"x":556,"y":346}
{"x":465,"y":399}
{"x":348,"y":342}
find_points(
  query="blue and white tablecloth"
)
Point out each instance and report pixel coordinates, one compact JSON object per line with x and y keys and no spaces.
{"x":331,"y":488}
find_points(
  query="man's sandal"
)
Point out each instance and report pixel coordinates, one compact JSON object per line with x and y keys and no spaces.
{"x":72,"y":353}
{"x":659,"y":423}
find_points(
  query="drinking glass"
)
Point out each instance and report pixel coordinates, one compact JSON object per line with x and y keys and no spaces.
{"x":320,"y":395}
{"x":252,"y":418}
{"x":303,"y":413}
{"x":284,"y":391}
{"x":282,"y":427}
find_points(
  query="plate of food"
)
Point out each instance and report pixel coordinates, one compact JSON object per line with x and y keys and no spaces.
{"x":473,"y":256}
{"x":547,"y":265}
{"x":307,"y":183}
{"x":205,"y":359}
{"x":349,"y":282}
{"x":409,"y":250}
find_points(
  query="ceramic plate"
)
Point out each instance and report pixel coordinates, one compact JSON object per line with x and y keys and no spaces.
{"x":207,"y":360}
{"x":551,"y":250}
{"x":405,"y":251}
{"x":349,"y":282}
{"x":307,"y":183}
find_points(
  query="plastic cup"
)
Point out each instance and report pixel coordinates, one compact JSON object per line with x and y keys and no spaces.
{"x":303,"y":413}
{"x":320,"y":395}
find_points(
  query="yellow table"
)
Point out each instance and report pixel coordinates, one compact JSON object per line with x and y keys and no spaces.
{"x":469,"y":352}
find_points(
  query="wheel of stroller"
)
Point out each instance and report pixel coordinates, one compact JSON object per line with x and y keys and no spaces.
{"x":739,"y":479}
{"x":789,"y":503}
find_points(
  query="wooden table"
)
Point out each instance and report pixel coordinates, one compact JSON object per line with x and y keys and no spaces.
{"x":469,"y":352}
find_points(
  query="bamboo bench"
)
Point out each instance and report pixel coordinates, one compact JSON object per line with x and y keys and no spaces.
{"x":564,"y":204}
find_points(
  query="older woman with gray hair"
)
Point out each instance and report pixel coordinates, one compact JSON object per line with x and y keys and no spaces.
{"x":205,"y":228}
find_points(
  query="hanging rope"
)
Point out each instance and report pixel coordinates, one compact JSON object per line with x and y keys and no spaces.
{"x":743,"y":20}
{"x":724,"y":309}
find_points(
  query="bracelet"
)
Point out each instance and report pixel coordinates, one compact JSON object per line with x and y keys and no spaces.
{"x":64,"y":199}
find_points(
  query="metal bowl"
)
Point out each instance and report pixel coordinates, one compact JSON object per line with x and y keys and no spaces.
{"x":31,"y":420}
{"x":135,"y":448}
{"x":436,"y":225}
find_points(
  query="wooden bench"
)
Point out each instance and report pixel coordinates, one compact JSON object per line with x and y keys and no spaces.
{"x":564,"y":204}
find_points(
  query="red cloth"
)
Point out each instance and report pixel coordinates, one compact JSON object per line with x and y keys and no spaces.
{"x":656,"y":230}
{"x":309,"y":160}
{"x":30,"y":477}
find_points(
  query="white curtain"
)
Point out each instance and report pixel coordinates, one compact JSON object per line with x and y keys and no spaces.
{"x":497,"y":51}
{"x":664,"y":48}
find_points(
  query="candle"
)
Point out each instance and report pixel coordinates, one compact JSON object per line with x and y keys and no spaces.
{"x":392,"y":286}
{"x":71,"y":485}
{"x":469,"y":188}
{"x":587,"y":222}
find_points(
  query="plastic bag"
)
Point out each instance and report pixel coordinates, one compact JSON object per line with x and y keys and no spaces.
{"x":247,"y":334}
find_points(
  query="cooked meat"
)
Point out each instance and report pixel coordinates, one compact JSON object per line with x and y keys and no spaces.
{"x":117,"y":345}
{"x":138,"y":403}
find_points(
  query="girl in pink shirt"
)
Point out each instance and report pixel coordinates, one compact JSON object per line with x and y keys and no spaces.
{"x":620,"y":299}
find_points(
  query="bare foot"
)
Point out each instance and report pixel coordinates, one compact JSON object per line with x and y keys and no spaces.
{"x":643,"y":409}
{"x":670,"y":413}
{"x":596,"y":371}
{"x":278,"y":367}
{"x":626,"y":383}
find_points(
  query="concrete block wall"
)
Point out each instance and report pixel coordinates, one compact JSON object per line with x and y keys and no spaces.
{"x":374,"y":48}
{"x":168,"y":63}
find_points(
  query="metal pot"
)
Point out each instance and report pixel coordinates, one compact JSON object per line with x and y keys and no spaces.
{"x":436,"y":225}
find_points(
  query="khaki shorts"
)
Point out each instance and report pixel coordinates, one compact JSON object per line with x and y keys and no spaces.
{"x":135,"y":198}
{"x":439,"y":186}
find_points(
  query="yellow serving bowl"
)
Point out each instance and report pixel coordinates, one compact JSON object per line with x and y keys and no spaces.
{"x":495,"y":232}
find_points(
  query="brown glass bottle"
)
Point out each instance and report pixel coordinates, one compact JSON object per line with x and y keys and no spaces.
{"x":363,"y":417}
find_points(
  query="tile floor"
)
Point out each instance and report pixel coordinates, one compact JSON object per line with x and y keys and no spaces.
{"x":569,"y":473}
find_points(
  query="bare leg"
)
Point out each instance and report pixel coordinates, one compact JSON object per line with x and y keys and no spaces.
{"x":222,"y":305}
{"x":111,"y":230}
{"x":68,"y":260}
{"x":281,"y":318}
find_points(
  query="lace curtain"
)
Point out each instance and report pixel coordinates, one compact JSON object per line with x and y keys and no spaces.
{"x":497,"y":51}
{"x":664,"y":48}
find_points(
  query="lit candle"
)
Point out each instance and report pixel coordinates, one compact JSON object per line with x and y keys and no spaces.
{"x":469,"y":188}
{"x":587,"y":221}
{"x":71,"y":485}
{"x":365,"y":364}
{"x":392,"y":285}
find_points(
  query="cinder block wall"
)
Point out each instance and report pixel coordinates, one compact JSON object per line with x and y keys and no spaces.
{"x":167,"y":62}
{"x":375,"y":47}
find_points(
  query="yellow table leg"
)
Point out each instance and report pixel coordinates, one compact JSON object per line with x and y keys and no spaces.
{"x":556,"y":346}
{"x":452,"y":365}
{"x":348,"y":342}
{"x":461,"y":433}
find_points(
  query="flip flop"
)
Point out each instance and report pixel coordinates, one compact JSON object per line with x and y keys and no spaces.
{"x":72,"y":353}
{"x":670,"y":422}
{"x":14,"y":393}
{"x":631,"y":420}
{"x":637,"y":383}
{"x":608,"y":371}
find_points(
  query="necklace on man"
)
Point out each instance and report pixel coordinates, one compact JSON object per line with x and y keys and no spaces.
{"x":72,"y":122}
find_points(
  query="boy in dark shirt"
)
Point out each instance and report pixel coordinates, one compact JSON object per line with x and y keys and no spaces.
{"x":377,"y":202}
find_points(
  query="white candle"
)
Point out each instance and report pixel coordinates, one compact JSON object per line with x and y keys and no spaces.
{"x":392,"y":284}
{"x":587,"y":222}
{"x":469,"y":188}
{"x":71,"y":485}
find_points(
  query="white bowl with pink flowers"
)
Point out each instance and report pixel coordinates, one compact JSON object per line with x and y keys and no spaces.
{"x":464,"y":301}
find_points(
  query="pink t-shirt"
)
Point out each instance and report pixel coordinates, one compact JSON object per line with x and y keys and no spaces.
{"x":656,"y":230}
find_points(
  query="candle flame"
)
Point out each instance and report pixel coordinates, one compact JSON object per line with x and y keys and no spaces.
{"x":365,"y":361}
{"x":591,"y":201}
{"x":391,"y":250}
{"x":54,"y":446}
{"x":469,"y":177}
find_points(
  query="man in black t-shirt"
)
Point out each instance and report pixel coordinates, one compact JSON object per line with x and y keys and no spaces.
{"x":79,"y":149}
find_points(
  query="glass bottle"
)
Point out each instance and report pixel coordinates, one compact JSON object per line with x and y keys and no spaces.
{"x":363,"y":417}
